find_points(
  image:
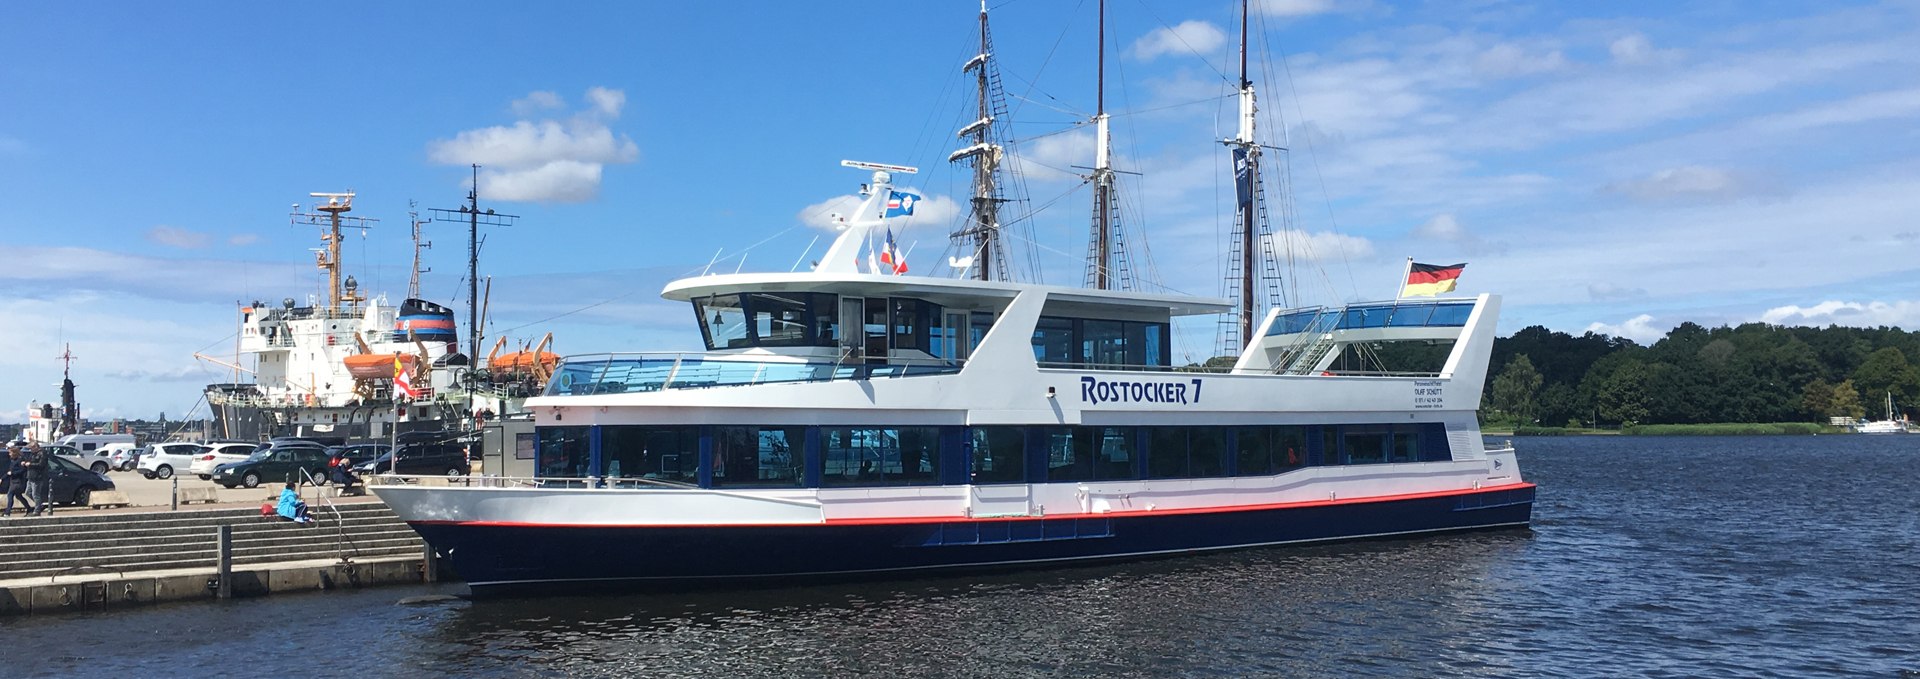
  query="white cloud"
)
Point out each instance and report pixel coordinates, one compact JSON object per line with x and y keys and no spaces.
{"x":940,"y":211}
{"x":1297,"y":8}
{"x":176,"y":237}
{"x":1639,"y":329}
{"x":1901,"y":313}
{"x":243,"y":239}
{"x":1441,"y":227}
{"x":185,"y":373}
{"x":1690,"y":183}
{"x":1324,"y":246}
{"x":607,"y":102}
{"x":1507,"y":59}
{"x":549,"y":160}
{"x":1189,"y":37}
{"x":536,"y":102}
{"x":25,"y":269}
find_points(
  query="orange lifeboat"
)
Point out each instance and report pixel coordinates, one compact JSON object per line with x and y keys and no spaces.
{"x":525,"y":362}
{"x":377,"y":366}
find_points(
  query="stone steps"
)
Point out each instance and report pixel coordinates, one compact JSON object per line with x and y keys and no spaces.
{"x":129,"y":542}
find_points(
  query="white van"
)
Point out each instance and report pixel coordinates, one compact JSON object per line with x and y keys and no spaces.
{"x":87,"y":443}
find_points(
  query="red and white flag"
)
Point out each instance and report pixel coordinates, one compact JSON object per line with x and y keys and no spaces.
{"x":403,"y":380}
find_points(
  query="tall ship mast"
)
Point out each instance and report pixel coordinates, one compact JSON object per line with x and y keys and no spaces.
{"x":984,"y":253}
{"x":1109,"y":265}
{"x":1253,"y":277}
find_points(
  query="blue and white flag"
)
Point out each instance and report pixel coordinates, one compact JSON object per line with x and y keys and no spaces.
{"x":900,"y":204}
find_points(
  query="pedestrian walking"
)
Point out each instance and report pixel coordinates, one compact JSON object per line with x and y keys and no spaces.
{"x":39,"y":479}
{"x":13,"y":479}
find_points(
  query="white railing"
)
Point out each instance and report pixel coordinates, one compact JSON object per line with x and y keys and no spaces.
{"x":580,"y":483}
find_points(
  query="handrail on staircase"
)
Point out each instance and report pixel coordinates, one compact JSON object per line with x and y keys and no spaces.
{"x":339,"y":519}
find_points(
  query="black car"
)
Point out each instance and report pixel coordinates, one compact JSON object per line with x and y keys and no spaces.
{"x":73,"y":484}
{"x":357,"y":453}
{"x":279,"y":462}
{"x":448,"y":459}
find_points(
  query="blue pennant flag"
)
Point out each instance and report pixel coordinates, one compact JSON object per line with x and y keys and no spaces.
{"x":900,"y":204}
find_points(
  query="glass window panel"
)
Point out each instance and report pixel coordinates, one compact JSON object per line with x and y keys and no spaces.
{"x":1450,"y":315}
{"x":1289,"y":447}
{"x":1365,"y":445}
{"x":758,"y":456}
{"x":919,"y":455}
{"x":1406,"y":445}
{"x":1167,"y":453}
{"x":1103,"y":343}
{"x":1053,"y":340}
{"x":723,"y":322}
{"x":909,"y":330}
{"x":1065,"y":460}
{"x":648,"y":452}
{"x":1410,"y":315}
{"x":1207,"y":451}
{"x":1154,"y":345}
{"x":780,"y":319}
{"x":563,"y":452}
{"x":977,"y":328}
{"x":1113,"y":456}
{"x":999,"y":454}
{"x":1253,"y":451}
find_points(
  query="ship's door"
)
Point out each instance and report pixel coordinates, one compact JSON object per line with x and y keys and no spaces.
{"x":875,"y":328}
{"x":852,"y":338}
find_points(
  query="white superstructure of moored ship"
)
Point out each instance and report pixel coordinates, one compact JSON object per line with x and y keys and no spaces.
{"x":846,"y":420}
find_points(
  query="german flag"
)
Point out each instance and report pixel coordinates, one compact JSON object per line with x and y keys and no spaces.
{"x":1427,"y":280}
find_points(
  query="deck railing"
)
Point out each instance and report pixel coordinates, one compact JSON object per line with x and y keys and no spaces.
{"x":645,"y":372}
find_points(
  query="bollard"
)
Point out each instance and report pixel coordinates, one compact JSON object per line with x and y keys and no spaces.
{"x":429,"y":565}
{"x":225,"y":589}
{"x":176,"y":492}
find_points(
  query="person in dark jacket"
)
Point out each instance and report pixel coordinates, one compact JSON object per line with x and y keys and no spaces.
{"x":342,"y":470}
{"x":13,"y":480}
{"x":39,"y":482}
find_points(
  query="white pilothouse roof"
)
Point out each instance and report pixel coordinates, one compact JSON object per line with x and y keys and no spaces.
{"x":841,"y":271}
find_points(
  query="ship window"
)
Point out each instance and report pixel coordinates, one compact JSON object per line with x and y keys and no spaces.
{"x":758,"y":456}
{"x":1365,"y":445}
{"x":909,"y":324}
{"x":1406,"y":445}
{"x":563,"y":452}
{"x":723,"y":321}
{"x":665,"y":453}
{"x":1102,"y":344}
{"x":862,"y":456}
{"x":1261,"y":451}
{"x":1089,"y":453}
{"x":999,"y":454}
{"x":1185,"y":452}
{"x":782,"y":319}
{"x":977,"y":328}
{"x":1053,"y":341}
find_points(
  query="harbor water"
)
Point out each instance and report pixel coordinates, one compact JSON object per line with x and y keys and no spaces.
{"x":1649,"y":556}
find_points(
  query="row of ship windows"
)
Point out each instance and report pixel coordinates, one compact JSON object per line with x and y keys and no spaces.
{"x":839,"y":456}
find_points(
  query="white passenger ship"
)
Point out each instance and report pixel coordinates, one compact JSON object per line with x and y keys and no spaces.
{"x":845,"y":421}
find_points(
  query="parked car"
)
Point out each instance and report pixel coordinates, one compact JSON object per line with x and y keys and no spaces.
{"x":448,"y":459}
{"x":88,"y":443}
{"x":163,"y":459}
{"x":73,"y":484}
{"x":98,"y":460}
{"x":358,"y":453}
{"x":217,"y":454}
{"x":126,"y":459}
{"x":277,"y":462}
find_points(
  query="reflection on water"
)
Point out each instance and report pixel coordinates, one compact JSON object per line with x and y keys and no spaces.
{"x":1649,"y":556}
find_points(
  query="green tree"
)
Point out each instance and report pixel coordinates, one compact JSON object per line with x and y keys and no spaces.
{"x":1845,"y":401}
{"x":1622,"y":395}
{"x":1514,"y":390}
{"x":1887,"y":372}
{"x":1816,"y":400}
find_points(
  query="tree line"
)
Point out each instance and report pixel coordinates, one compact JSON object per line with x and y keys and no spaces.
{"x":1753,"y":372}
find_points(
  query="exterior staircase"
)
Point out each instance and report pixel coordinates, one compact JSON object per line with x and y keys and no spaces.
{"x":128,"y":543}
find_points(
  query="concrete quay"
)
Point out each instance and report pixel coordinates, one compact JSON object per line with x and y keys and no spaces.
{"x":104,"y":559}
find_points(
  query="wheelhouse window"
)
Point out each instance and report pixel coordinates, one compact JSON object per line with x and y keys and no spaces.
{"x":999,"y":454}
{"x":758,"y":456}
{"x":879,"y":456}
{"x":723,"y":322}
{"x":767,"y":319}
{"x":1100,"y":344}
{"x":646,"y":452}
{"x":562,"y":452}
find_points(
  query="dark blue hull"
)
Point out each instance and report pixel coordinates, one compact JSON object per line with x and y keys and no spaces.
{"x":509,"y":559}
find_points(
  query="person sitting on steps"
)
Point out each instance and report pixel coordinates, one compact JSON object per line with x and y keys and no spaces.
{"x":341,"y":470}
{"x":291,"y":507}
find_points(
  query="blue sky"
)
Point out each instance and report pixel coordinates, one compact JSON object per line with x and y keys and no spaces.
{"x":1620,"y":167}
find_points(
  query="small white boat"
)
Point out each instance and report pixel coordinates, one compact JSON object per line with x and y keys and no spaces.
{"x":1886,"y":426}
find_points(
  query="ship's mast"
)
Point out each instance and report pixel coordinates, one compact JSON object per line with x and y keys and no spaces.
{"x":1251,"y":259}
{"x":980,"y":238}
{"x":1100,"y":248}
{"x":471,"y":214}
{"x":329,"y":261}
{"x":413,"y":282}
